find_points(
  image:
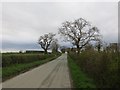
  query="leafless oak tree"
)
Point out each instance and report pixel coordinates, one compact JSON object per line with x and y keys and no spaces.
{"x":45,"y":41}
{"x":55,"y":46}
{"x":79,"y":32}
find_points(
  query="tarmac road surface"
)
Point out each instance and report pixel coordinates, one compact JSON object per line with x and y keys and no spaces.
{"x":54,"y":74}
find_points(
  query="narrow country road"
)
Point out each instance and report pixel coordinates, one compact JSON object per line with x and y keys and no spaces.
{"x":54,"y":74}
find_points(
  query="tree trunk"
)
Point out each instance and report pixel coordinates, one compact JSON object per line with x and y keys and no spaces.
{"x":78,"y":49}
{"x":45,"y":51}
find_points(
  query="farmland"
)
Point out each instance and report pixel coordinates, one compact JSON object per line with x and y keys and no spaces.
{"x":102,"y":67}
{"x":14,"y":64}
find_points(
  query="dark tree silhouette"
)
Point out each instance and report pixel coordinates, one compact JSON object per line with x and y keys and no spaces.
{"x":45,"y":41}
{"x":79,"y":32}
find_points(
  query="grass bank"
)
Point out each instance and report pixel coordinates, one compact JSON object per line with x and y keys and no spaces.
{"x":79,"y":78}
{"x":18,"y":68}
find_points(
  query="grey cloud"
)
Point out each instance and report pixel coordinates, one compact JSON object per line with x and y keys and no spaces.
{"x":12,"y":46}
{"x":25,"y":22}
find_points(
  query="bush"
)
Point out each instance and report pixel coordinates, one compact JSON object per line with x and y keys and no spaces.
{"x":80,"y":79}
{"x":101,"y":66}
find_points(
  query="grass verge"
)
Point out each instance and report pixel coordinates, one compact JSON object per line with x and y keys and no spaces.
{"x":13,"y":70}
{"x":79,"y":78}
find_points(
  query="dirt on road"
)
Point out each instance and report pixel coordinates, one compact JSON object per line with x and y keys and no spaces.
{"x":54,"y":74}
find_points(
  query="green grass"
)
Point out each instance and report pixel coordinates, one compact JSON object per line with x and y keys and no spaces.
{"x":0,"y":74}
{"x":13,"y":70}
{"x":21,"y":58}
{"x":80,"y":79}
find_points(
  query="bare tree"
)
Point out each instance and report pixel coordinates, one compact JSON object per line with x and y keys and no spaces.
{"x":55,"y":46}
{"x":79,"y":32}
{"x":45,"y":41}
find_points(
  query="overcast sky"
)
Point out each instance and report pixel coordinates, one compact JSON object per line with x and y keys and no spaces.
{"x":23,"y":23}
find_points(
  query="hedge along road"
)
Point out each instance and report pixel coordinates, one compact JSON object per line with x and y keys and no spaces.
{"x":54,"y":74}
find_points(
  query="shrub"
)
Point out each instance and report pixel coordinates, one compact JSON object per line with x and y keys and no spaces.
{"x":101,"y":66}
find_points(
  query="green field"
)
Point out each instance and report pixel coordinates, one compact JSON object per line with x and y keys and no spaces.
{"x":102,"y":67}
{"x":14,"y":64}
